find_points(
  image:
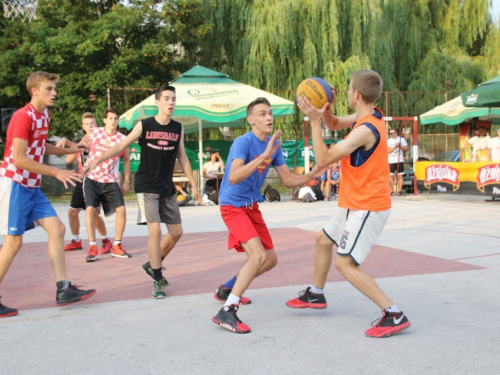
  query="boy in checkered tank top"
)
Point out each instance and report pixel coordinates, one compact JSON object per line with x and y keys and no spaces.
{"x":100,"y":186}
{"x":22,"y":202}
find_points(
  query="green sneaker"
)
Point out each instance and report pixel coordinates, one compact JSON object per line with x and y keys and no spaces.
{"x":159,"y":289}
{"x":147,"y":268}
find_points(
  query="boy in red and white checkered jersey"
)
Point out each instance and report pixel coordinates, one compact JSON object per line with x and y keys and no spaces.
{"x":77,"y":199}
{"x":101,"y":187}
{"x":22,"y":202}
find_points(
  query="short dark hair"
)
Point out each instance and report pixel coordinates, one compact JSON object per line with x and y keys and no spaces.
{"x":260,"y":100}
{"x":162,"y":88}
{"x":396,"y":130}
{"x":111,"y":110}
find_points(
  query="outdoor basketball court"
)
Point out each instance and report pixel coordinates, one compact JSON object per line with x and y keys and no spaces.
{"x":438,"y":259}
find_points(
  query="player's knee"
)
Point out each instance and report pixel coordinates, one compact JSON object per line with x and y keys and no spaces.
{"x":60,"y":229}
{"x":322,"y":240}
{"x":271,"y":260}
{"x":177,"y":234}
{"x":13,"y":244}
{"x":258,"y":258}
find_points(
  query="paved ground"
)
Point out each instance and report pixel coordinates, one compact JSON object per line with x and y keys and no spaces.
{"x":438,"y":259}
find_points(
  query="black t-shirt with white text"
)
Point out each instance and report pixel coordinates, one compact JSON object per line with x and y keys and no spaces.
{"x":159,"y":147}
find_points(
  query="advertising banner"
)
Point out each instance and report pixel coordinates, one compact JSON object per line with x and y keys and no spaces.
{"x":459,"y":178}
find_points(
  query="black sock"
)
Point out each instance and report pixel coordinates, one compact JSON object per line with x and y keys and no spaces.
{"x":157,"y":275}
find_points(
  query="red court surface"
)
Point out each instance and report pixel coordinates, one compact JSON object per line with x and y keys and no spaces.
{"x":198,"y":264}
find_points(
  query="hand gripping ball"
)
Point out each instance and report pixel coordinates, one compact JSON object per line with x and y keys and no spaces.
{"x":316,"y":90}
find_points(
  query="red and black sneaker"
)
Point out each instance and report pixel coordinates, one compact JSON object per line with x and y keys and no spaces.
{"x":72,"y":294}
{"x":228,"y":319}
{"x":106,"y":246}
{"x":119,"y":252}
{"x":308,"y":299}
{"x":6,"y":311}
{"x":222,"y":293}
{"x":73,"y":245}
{"x":389,"y":324}
{"x":93,"y":254}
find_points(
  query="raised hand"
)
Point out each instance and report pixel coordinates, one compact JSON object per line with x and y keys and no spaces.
{"x":271,"y":147}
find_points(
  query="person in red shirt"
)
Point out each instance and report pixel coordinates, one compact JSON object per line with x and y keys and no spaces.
{"x":22,"y":202}
{"x":364,"y":202}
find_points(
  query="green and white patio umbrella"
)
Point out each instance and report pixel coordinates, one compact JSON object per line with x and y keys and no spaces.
{"x":487,"y":94}
{"x":454,"y":112}
{"x":206,"y":98}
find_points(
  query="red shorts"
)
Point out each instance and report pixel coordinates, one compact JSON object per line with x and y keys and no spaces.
{"x":245,"y":223}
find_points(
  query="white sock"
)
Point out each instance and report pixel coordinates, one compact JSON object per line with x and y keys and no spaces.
{"x":393,"y":309}
{"x":105,"y":236}
{"x":76,"y":237}
{"x":316,"y":290}
{"x":117,"y":242}
{"x":232,"y":300}
{"x":92,"y":243}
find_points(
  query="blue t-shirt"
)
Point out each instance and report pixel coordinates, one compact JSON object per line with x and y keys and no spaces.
{"x":247,"y":147}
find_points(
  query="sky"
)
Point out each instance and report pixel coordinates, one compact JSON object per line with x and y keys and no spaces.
{"x":495,"y":9}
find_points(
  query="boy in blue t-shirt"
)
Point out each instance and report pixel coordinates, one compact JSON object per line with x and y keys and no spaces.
{"x":247,"y":165}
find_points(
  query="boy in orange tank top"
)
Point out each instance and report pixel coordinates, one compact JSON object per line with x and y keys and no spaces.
{"x":364,"y":201}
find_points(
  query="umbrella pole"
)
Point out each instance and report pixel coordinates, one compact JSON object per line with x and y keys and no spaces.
{"x":200,"y":155}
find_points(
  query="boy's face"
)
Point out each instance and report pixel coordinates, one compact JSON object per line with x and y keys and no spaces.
{"x":166,"y":103}
{"x":88,"y":123}
{"x":262,"y":118}
{"x":45,"y":93}
{"x":111,"y":120}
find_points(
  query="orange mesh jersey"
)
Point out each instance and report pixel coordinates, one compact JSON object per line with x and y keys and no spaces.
{"x":367,"y":187}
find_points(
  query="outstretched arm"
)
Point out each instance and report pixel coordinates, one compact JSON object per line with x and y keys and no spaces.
{"x":20,"y":160}
{"x":293,"y":180}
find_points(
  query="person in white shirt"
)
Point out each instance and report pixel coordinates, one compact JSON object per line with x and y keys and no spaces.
{"x":479,"y":145}
{"x":215,"y":164}
{"x":396,"y":145}
{"x":494,"y":148}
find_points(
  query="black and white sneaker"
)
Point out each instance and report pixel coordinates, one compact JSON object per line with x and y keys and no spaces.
{"x":227,"y":318}
{"x":389,"y":324}
{"x":308,"y":299}
{"x":72,"y":294}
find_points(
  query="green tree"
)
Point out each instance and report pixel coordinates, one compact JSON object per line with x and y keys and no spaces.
{"x":98,"y":44}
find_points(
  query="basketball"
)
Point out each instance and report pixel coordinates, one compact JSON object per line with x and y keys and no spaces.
{"x":316,"y":90}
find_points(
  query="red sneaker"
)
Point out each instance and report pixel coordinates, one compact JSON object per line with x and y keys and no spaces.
{"x":308,"y":299}
{"x":118,"y":252}
{"x":228,"y":319}
{"x":222,"y":293}
{"x":388,"y":324}
{"x":93,"y":254}
{"x":73,"y":245}
{"x":106,"y":246}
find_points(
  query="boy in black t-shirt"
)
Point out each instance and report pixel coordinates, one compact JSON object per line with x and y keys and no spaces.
{"x":162,"y":141}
